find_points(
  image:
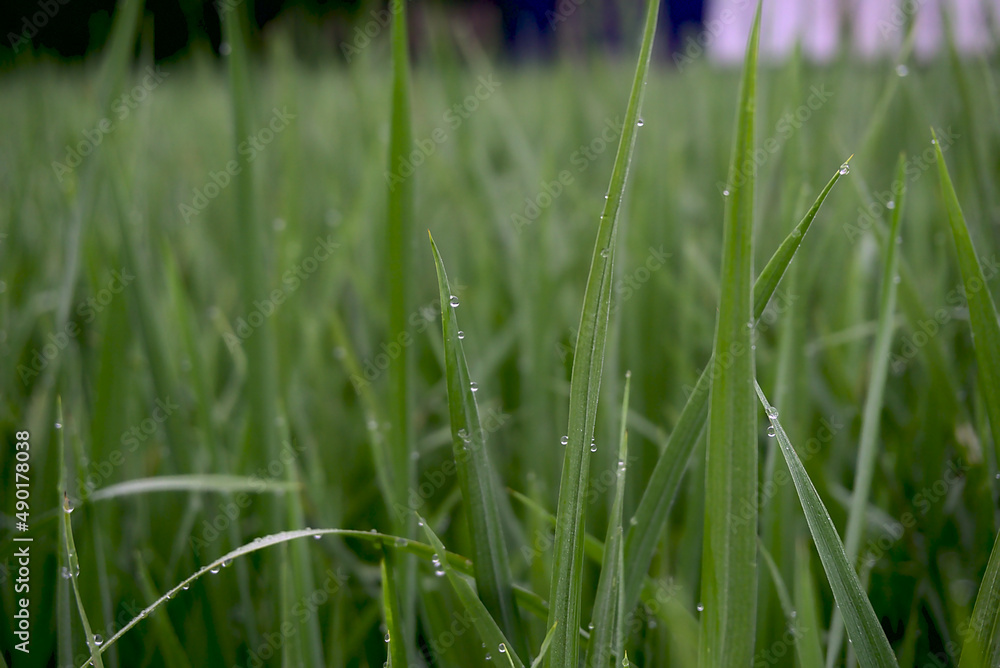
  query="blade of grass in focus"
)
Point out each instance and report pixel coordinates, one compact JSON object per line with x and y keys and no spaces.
{"x":870,"y":424}
{"x":588,"y":361}
{"x":863,"y":627}
{"x":542,"y":651}
{"x":394,"y":631}
{"x":729,"y":550}
{"x":476,"y":477}
{"x":495,"y":643}
{"x":651,"y":514}
{"x":606,"y":622}
{"x":982,"y":644}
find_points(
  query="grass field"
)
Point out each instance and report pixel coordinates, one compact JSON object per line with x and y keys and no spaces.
{"x":221,"y":319}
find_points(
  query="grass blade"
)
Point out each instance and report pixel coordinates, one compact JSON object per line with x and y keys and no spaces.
{"x":484,"y":623}
{"x":476,"y":477}
{"x":394,"y":631}
{"x":729,"y":553}
{"x":863,"y":628}
{"x":219,"y":483}
{"x":982,"y":646}
{"x":585,"y":382}
{"x":542,"y":651}
{"x":606,"y":621}
{"x":654,"y":506}
{"x":868,"y":447}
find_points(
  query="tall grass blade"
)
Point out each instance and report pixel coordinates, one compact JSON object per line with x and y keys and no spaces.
{"x":606,"y":621}
{"x":982,"y":643}
{"x":863,"y":628}
{"x":868,"y":447}
{"x":543,"y":651}
{"x":496,"y":644}
{"x":394,"y":635}
{"x":729,"y":552}
{"x":207,"y":482}
{"x":651,"y":515}
{"x":476,"y":476}
{"x":585,"y":382}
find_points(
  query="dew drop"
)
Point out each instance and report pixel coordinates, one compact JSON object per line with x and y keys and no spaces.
{"x":997,"y":476}
{"x":593,"y":446}
{"x":625,"y":662}
{"x":400,"y":542}
{"x":65,"y":573}
{"x":502,"y":648}
{"x":902,"y":70}
{"x":725,"y":192}
{"x":317,"y":536}
{"x":934,"y":141}
{"x":461,"y":334}
{"x":227,"y":563}
{"x":633,"y":521}
{"x":749,"y":324}
{"x":590,"y":626}
{"x":67,"y":504}
{"x":454,"y":301}
{"x":473,"y":386}
{"x":845,"y":169}
{"x":439,"y":572}
{"x":605,"y":252}
{"x":640,"y":122}
{"x":770,"y":431}
{"x":58,"y":425}
{"x":489,"y":657}
{"x":213,"y":570}
{"x":564,"y":440}
{"x":701,"y":607}
{"x":98,"y":640}
{"x":772,"y":412}
{"x":186,"y":587}
{"x":793,"y":614}
{"x":890,"y":204}
{"x":387,"y":636}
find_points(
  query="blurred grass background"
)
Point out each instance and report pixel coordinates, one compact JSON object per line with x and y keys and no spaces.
{"x":320,"y":182}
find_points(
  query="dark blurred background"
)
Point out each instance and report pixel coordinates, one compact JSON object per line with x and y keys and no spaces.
{"x":72,"y":29}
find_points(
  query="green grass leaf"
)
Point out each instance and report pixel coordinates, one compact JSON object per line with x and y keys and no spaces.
{"x":651,"y":515}
{"x":868,"y":446}
{"x":543,"y":651}
{"x":729,"y":551}
{"x":982,"y":643}
{"x":588,"y":363}
{"x":863,"y":628}
{"x":476,"y":476}
{"x":394,"y":629}
{"x":496,"y":644}
{"x":807,"y":620}
{"x":607,"y":618}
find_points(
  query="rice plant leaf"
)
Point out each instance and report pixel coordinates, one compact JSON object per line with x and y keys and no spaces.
{"x":982,"y":644}
{"x":476,"y":476}
{"x":496,"y":643}
{"x":585,"y":382}
{"x":863,"y":628}
{"x":542,"y":651}
{"x":868,"y":446}
{"x":394,"y":630}
{"x":651,"y":515}
{"x":729,"y":549}
{"x":807,"y":621}
{"x":206,"y":482}
{"x":606,"y":620}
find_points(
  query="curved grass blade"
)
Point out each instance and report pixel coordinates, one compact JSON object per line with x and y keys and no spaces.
{"x":868,"y":447}
{"x":484,"y":623}
{"x":394,"y":631}
{"x":982,"y":645}
{"x":476,"y":477}
{"x":729,"y":552}
{"x":863,"y":628}
{"x":606,"y":620}
{"x":542,"y":651}
{"x":585,"y":383}
{"x":219,"y":483}
{"x":651,"y":514}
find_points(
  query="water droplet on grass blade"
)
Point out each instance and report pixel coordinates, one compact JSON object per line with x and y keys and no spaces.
{"x":387,"y":637}
{"x":700,"y":607}
{"x":98,"y":640}
{"x":473,"y":386}
{"x":453,"y":301}
{"x":845,"y":169}
{"x":640,"y":122}
{"x":58,"y":425}
{"x":605,"y":252}
{"x":770,"y":431}
{"x":214,"y":570}
{"x":564,"y":440}
{"x":461,"y":334}
{"x":772,"y":412}
{"x":902,"y":70}
{"x":502,"y":648}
